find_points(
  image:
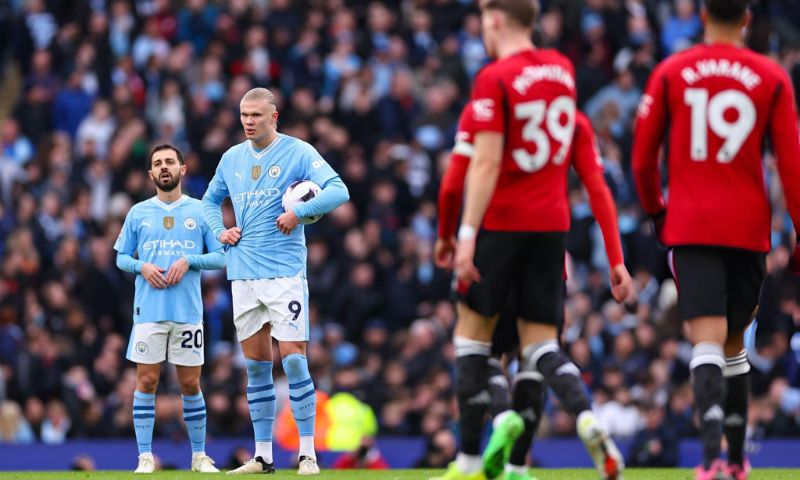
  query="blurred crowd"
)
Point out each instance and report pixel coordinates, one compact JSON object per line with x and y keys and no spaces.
{"x":376,"y":87}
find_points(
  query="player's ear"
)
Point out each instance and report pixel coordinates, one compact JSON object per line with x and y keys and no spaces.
{"x":183,"y":169}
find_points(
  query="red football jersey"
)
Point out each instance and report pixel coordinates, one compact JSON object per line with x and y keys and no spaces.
{"x":530,"y":98}
{"x":720,"y":103}
{"x":583,"y":156}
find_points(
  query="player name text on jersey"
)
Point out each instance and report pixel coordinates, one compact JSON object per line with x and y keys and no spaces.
{"x":721,"y":68}
{"x":538,"y":73}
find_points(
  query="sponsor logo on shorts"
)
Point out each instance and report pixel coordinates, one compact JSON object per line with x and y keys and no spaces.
{"x":141,"y":348}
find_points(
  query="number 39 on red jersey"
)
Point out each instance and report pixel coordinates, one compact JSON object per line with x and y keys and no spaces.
{"x":530,"y":99}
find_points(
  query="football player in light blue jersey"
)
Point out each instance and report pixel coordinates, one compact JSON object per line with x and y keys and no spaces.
{"x":168,"y":235}
{"x":266,"y":258}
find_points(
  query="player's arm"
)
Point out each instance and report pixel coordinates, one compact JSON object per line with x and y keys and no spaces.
{"x":451,"y":194}
{"x":647,"y":140}
{"x":488,"y":100}
{"x":590,"y":170}
{"x":786,"y":144}
{"x":126,"y":245}
{"x":214,"y":259}
{"x":211,"y":207}
{"x":334,"y":192}
{"x":127,"y":263}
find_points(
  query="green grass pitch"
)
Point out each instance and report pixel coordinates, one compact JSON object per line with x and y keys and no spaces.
{"x":541,"y":474}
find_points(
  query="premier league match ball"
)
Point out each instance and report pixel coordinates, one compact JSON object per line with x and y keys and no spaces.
{"x":299,"y":192}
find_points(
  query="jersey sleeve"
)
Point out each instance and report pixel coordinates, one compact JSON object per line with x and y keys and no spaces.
{"x":648,"y":137}
{"x":451,"y":194}
{"x":127,"y":241}
{"x":317,"y":169}
{"x":451,"y":190}
{"x":216,"y":192}
{"x":488,"y":102}
{"x":786,"y":144}
{"x":586,"y":159}
{"x":211,"y":242}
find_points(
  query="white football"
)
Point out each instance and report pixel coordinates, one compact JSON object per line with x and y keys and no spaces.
{"x":299,"y":192}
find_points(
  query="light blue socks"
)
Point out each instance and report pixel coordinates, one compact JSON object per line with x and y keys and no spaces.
{"x":194,"y":414}
{"x":144,"y":417}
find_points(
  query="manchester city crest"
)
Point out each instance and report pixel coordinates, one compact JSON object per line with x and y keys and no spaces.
{"x":141,"y":348}
{"x":274,"y":171}
{"x":189,"y":223}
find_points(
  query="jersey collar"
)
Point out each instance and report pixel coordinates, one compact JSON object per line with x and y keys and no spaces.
{"x":168,"y":206}
{"x":266,"y":150}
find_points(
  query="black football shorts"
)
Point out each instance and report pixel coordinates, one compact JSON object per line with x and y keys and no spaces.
{"x":527,"y":265}
{"x":718,"y":281}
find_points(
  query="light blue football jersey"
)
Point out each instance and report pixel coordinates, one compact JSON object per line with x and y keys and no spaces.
{"x":162,"y":233}
{"x":255,"y":182}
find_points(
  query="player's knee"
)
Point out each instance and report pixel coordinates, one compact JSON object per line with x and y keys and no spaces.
{"x":147,"y":382}
{"x":292,"y":348}
{"x":190,"y":386}
{"x":295,"y":365}
{"x":533,"y":352}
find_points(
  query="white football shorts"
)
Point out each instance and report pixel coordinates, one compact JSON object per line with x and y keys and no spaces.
{"x":281,"y":302}
{"x":154,"y":342}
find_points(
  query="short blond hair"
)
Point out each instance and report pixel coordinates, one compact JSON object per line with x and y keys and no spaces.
{"x":259,"y":93}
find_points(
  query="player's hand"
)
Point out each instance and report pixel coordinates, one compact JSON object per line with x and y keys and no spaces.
{"x":444,"y":253}
{"x":466,"y":271}
{"x":794,"y":262}
{"x":621,"y":283}
{"x":231,"y":236}
{"x":287,"y":222}
{"x":177,"y":270}
{"x":154,"y":275}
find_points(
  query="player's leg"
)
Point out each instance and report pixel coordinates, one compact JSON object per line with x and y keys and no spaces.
{"x":504,"y":346}
{"x":251,"y":319}
{"x":702,"y":291}
{"x":501,"y":446}
{"x":737,"y":378}
{"x":541,"y":310}
{"x":528,"y":399}
{"x":303,"y":402}
{"x":478,"y":310}
{"x":186,"y":353}
{"x":745,"y":275}
{"x":288,"y":303}
{"x":147,"y":348}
